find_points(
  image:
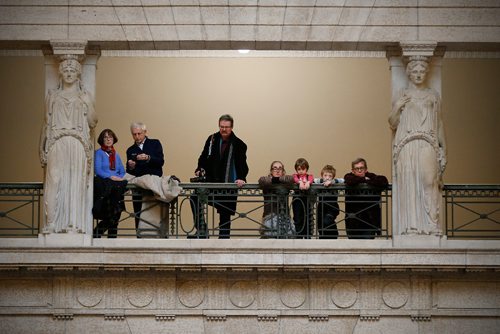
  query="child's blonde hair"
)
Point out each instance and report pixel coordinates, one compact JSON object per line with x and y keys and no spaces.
{"x":328,"y":169}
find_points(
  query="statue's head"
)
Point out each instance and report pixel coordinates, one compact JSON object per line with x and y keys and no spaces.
{"x":417,"y":69}
{"x":70,"y":62}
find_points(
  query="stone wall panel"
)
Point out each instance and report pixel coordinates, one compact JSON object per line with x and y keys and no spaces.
{"x":473,"y":295}
{"x":26,"y":292}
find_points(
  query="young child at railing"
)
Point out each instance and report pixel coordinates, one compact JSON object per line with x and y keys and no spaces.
{"x":328,"y":208}
{"x":302,"y":213}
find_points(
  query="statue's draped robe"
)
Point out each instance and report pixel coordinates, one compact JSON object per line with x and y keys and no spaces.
{"x":416,"y":152}
{"x":68,"y":148}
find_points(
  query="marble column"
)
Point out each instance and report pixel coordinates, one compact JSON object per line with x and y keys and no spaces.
{"x":418,"y":146}
{"x":67,"y":143}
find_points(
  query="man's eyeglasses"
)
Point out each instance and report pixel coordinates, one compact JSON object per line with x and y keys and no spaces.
{"x":359,"y":169}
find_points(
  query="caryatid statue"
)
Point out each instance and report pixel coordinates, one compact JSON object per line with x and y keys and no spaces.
{"x":419,"y":154}
{"x":66,"y":152}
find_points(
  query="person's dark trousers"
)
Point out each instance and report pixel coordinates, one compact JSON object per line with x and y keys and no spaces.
{"x":198,"y":218}
{"x":359,"y":229}
{"x":327,"y":228}
{"x":302,"y":217}
{"x":137,"y":204}
{"x":327,"y":212}
{"x":224,"y":224}
{"x":106,"y":225}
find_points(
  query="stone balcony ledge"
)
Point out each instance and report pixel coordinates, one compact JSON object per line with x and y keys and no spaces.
{"x":247,"y":255}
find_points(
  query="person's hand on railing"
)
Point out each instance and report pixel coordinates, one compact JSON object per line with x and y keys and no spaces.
{"x":240,"y":183}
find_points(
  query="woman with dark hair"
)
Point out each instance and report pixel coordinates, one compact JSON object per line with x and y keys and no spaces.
{"x":109,"y":185}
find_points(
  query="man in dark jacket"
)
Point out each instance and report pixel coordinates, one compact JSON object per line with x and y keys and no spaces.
{"x":143,"y":158}
{"x":362,"y":205}
{"x":223,"y":160}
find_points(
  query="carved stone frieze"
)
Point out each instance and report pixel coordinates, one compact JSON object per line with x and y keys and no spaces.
{"x":89,"y":293}
{"x":140,"y":293}
{"x":242,"y":293}
{"x":395,"y":294}
{"x":293,"y":294}
{"x":344,"y":294}
{"x":191,"y":294}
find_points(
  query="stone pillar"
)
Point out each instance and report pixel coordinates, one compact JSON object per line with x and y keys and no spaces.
{"x":418,"y":147}
{"x":67,"y":143}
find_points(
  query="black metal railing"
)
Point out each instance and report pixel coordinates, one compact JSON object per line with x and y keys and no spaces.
{"x":471,"y":211}
{"x":20,"y":209}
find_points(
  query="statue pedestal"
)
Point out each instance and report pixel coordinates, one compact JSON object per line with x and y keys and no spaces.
{"x":418,"y":241}
{"x":70,"y":239}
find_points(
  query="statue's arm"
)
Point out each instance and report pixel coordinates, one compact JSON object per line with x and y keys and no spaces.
{"x":441,"y":137}
{"x":43,"y":132}
{"x":396,"y":111}
{"x":91,"y":113}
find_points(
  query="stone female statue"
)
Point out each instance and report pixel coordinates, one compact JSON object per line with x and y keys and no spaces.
{"x":419,"y":154}
{"x":66,"y":152}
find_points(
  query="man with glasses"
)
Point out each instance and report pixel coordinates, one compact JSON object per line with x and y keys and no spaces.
{"x":223,"y":160}
{"x":362,"y":204}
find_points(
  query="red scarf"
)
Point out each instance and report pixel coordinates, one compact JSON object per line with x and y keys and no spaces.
{"x":112,"y":156}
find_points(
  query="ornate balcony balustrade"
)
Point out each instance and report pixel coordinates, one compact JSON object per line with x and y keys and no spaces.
{"x":471,"y":211}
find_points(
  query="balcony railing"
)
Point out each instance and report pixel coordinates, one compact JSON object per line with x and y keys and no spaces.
{"x":471,"y":211}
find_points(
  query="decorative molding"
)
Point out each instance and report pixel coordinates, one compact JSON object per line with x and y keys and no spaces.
{"x":165,"y":317}
{"x":215,"y":317}
{"x":318,"y":317}
{"x":112,"y":268}
{"x":420,"y":317}
{"x":62,"y":316}
{"x":37,"y":268}
{"x":319,"y":270}
{"x":62,"y":268}
{"x":9,"y":268}
{"x":472,"y":55}
{"x":21,"y":53}
{"x":88,"y":268}
{"x":242,"y":269}
{"x":420,"y":48}
{"x":369,"y":317}
{"x":236,"y":54}
{"x":118,"y":317}
{"x":190,"y":269}
{"x":75,"y":47}
{"x":268,"y":269}
{"x":267,"y":317}
{"x":216,"y":269}
{"x":139,"y":268}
